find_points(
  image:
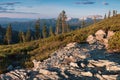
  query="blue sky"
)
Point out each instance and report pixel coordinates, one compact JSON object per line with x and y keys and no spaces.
{"x":52,"y":8}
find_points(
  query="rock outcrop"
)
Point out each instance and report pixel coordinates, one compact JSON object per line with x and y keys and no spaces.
{"x":79,"y":62}
{"x":100,"y":36}
{"x":91,"y":39}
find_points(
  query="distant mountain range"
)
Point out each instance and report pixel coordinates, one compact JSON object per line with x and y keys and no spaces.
{"x":5,"y":20}
{"x":24,"y":23}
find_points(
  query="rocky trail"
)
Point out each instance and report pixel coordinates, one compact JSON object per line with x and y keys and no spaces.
{"x":73,"y":62}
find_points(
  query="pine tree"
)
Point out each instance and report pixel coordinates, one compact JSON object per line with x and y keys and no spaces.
{"x":37,"y":29}
{"x":8,"y":35}
{"x":20,"y":36}
{"x":2,"y":32}
{"x":44,"y":31}
{"x":28,"y":35}
{"x":68,"y":28}
{"x":105,"y":17}
{"x":51,"y":33}
{"x":83,"y":23}
{"x":95,"y":19}
{"x":23,"y":37}
{"x":59,"y":25}
{"x":64,"y":24}
{"x":115,"y":12}
{"x":109,"y":14}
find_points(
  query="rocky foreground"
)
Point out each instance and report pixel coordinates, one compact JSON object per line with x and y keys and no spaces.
{"x":73,"y":62}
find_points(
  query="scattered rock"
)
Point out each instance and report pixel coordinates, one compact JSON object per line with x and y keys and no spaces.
{"x":82,"y":65}
{"x":71,"y":45}
{"x":35,"y":79}
{"x":109,"y":77}
{"x":36,"y":64}
{"x":91,"y":39}
{"x":45,"y":72}
{"x":100,"y":35}
{"x":86,"y":74}
{"x":101,"y":63}
{"x":83,"y":56}
{"x":15,"y":75}
{"x":74,"y":64}
{"x":105,"y":42}
{"x":113,"y":68}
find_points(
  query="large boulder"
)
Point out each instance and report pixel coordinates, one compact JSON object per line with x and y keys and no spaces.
{"x":89,"y":74}
{"x":100,"y":35}
{"x":101,"y":63}
{"x":15,"y":75}
{"x":113,"y":68}
{"x":110,"y":77}
{"x":105,"y":42}
{"x":71,"y":45}
{"x":91,"y":39}
{"x":74,"y":64}
{"x":36,"y":64}
{"x":44,"y":71}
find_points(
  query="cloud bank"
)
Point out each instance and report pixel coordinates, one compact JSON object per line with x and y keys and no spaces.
{"x":105,"y":3}
{"x":10,"y":3}
{"x":85,"y":2}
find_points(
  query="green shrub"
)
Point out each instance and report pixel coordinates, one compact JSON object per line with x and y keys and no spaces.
{"x":114,"y":42}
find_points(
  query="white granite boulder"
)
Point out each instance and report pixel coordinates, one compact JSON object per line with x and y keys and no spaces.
{"x":71,"y":45}
{"x":100,"y":35}
{"x":44,"y":71}
{"x":91,"y":39}
{"x":36,"y":64}
{"x":72,"y":64}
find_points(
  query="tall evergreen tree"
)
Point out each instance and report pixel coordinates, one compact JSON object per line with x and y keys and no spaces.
{"x":28,"y":35}
{"x":8,"y":35}
{"x":61,"y":23}
{"x":114,"y":12}
{"x":105,"y":17}
{"x":94,"y":19}
{"x":20,"y":36}
{"x":23,"y":37}
{"x":51,"y":33}
{"x":63,"y":18}
{"x":44,"y":31}
{"x":37,"y":29}
{"x":109,"y":14}
{"x":83,"y":23}
{"x":68,"y":28}
{"x":58,"y":25}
